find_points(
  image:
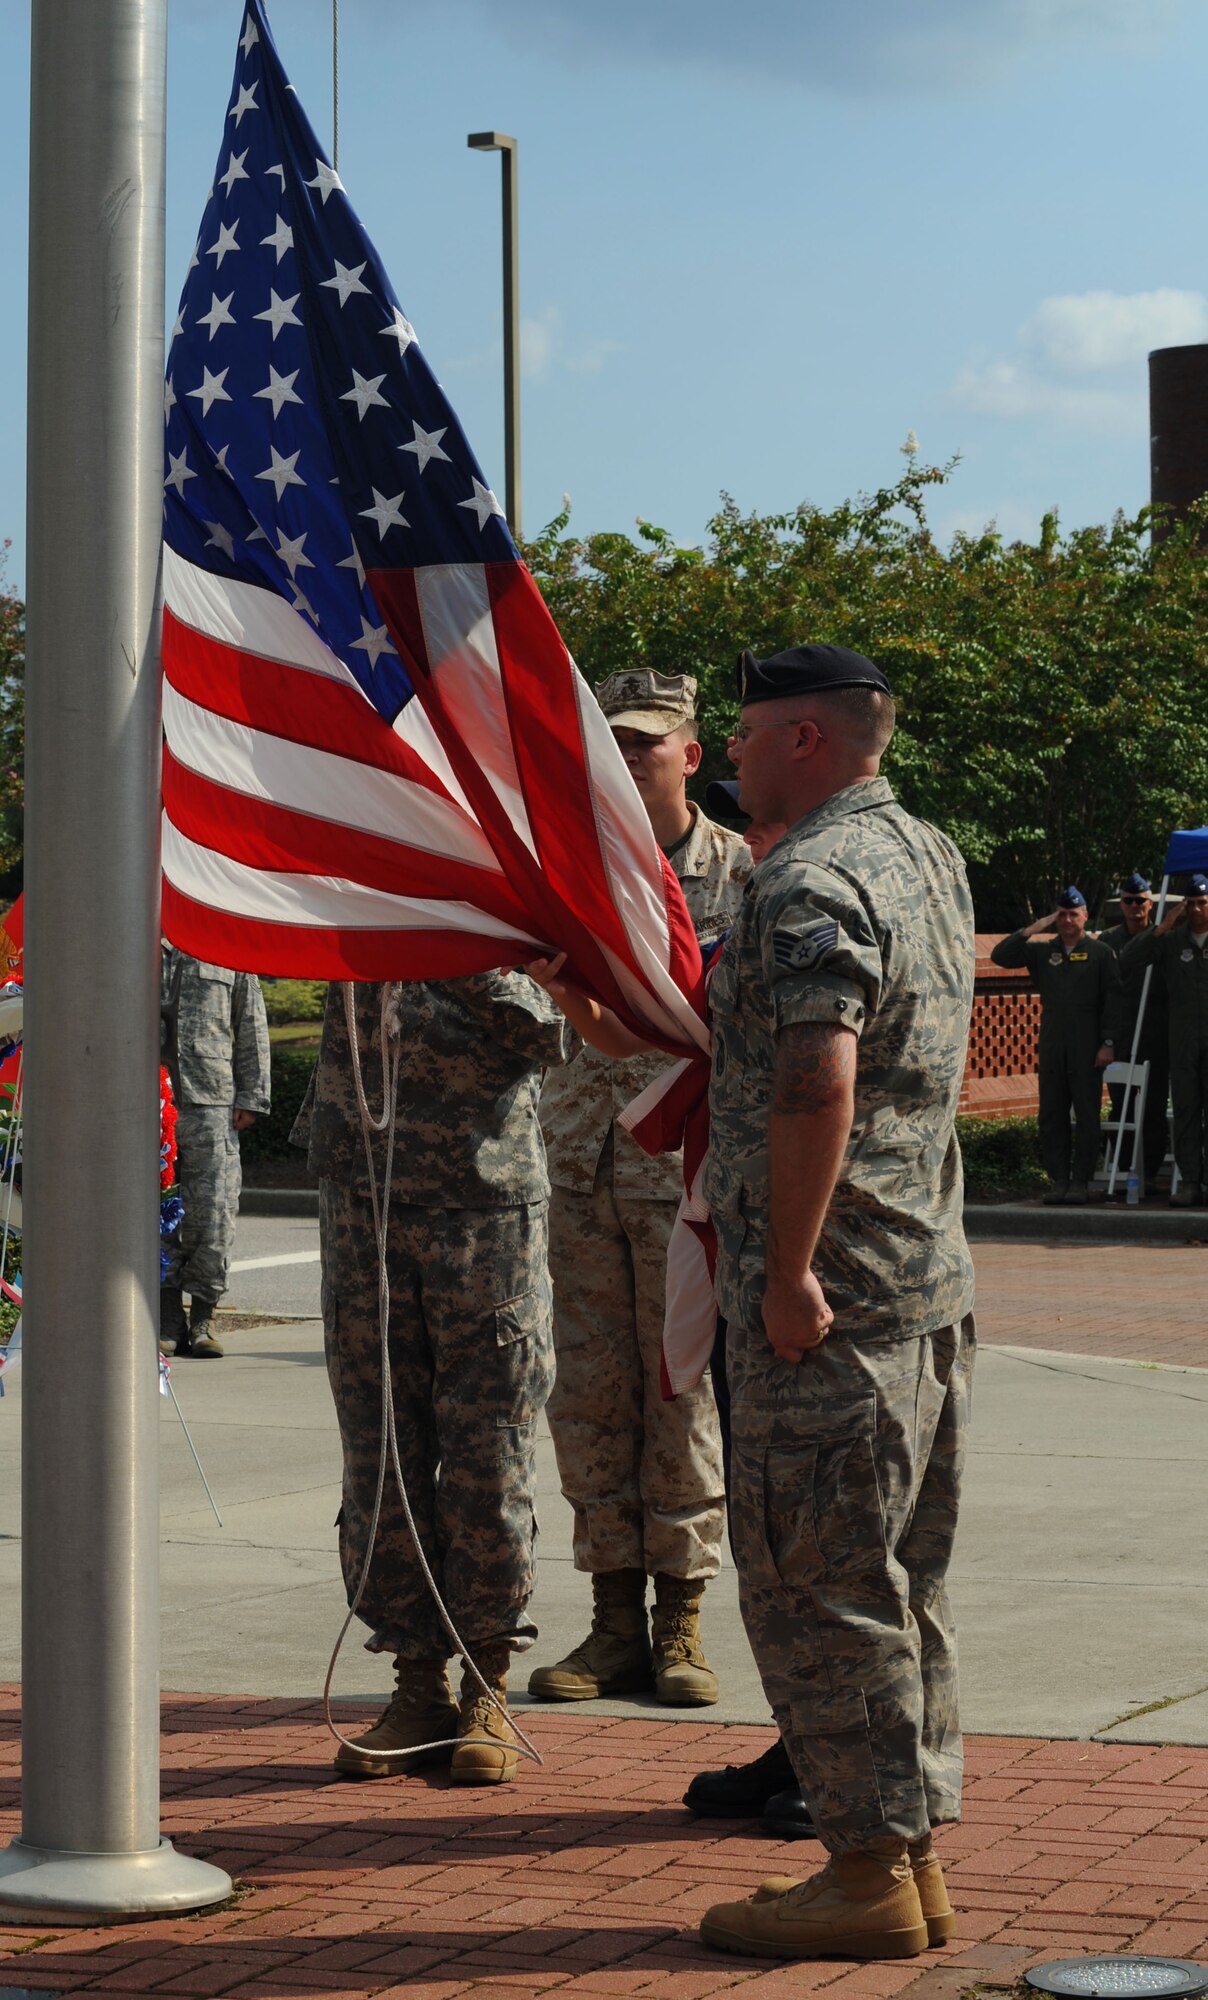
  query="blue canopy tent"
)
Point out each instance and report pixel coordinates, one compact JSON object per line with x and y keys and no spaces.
{"x":1187,"y":852}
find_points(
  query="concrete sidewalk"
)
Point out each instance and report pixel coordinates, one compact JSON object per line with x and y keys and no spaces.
{"x":1082,"y":1524}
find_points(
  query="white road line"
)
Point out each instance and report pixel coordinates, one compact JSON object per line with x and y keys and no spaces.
{"x":268,"y":1263}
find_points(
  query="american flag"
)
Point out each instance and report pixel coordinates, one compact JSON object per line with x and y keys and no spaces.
{"x":380,"y":760}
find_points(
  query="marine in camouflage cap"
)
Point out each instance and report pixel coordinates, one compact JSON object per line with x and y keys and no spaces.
{"x":654,"y":703}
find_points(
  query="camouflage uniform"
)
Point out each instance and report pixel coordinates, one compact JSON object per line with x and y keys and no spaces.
{"x":847,"y":1466}
{"x":470,"y":1342}
{"x":215,"y":1043}
{"x":644,"y":1475}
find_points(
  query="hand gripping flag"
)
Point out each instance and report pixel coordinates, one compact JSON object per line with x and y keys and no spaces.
{"x":380,"y":760}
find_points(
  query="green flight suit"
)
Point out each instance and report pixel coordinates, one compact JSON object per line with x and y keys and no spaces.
{"x":1184,"y":968}
{"x":1153,"y":1048}
{"x":1080,"y":1009}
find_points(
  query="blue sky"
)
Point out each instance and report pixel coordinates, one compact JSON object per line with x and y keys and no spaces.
{"x":759,"y":244}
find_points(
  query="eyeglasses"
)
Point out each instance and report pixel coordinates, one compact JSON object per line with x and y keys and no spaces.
{"x":1129,"y":902}
{"x":744,"y":729}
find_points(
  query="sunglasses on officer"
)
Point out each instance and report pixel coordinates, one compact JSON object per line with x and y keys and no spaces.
{"x":1134,"y":902}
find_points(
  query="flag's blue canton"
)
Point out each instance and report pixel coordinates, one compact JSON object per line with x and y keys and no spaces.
{"x":306,"y":438}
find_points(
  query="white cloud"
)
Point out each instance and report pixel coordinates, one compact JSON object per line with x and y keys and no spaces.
{"x":1080,"y":359}
{"x":1081,"y":332}
{"x":879,"y":46}
{"x":544,"y":347}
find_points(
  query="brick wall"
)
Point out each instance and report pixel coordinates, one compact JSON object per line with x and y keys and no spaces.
{"x":1000,"y":1070}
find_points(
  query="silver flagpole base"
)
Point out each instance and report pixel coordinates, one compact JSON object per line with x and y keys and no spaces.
{"x":40,"y":1885}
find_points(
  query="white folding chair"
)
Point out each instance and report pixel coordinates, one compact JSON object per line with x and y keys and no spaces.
{"x":1133,"y":1080}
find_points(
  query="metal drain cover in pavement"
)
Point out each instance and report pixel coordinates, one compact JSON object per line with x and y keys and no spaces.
{"x":1116,"y":1976}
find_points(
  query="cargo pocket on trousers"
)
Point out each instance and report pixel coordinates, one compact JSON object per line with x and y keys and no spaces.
{"x":524,"y":1341}
{"x":823,"y":1508}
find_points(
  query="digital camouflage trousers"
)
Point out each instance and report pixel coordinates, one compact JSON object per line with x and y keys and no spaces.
{"x":471,"y":1362}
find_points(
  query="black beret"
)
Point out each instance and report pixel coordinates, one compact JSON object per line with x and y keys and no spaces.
{"x":805,"y":670}
{"x":721,"y":800}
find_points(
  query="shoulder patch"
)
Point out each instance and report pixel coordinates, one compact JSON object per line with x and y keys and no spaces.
{"x":800,"y":951}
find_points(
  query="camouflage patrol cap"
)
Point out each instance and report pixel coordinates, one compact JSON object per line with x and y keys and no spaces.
{"x":805,"y":670}
{"x":653,"y":703}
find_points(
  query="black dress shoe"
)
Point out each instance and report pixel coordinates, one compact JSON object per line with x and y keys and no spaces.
{"x":787,"y":1817}
{"x":742,"y":1791}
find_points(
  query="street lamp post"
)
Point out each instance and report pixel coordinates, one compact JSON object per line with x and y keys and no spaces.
{"x":500,"y":142}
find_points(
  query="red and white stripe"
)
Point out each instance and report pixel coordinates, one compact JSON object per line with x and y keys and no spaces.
{"x":493,"y":821}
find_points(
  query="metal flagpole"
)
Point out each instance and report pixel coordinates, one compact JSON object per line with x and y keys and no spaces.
{"x":90,"y":1845}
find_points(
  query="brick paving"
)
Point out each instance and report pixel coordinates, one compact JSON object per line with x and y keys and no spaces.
{"x":586,"y":1877}
{"x":1129,"y":1302}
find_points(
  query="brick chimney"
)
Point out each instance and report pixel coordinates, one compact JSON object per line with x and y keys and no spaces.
{"x":1178,"y":427}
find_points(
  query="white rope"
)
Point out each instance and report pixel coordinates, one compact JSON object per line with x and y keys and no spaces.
{"x":391,"y":1063}
{"x":335,"y":84}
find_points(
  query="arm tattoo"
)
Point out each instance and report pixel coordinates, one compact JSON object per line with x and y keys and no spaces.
{"x":815,"y":1061}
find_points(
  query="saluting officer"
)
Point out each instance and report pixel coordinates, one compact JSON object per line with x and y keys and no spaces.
{"x":1078,"y":980}
{"x":1177,"y":948}
{"x":1136,"y":910}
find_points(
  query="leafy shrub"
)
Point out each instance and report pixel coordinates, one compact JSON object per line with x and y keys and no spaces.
{"x":1002,"y":1157}
{"x":294,"y":999}
{"x":268,"y":1138}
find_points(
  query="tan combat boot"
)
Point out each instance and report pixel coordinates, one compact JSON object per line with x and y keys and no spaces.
{"x":683,"y":1677}
{"x":615,"y":1656}
{"x":423,"y":1711}
{"x":860,"y":1906}
{"x":490,"y":1758}
{"x":928,"y":1880}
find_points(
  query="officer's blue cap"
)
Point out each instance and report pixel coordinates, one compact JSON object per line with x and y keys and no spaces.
{"x":1197,"y":885}
{"x":805,"y":670}
{"x":721,"y":799}
{"x":1135,"y":885}
{"x":1071,"y":899}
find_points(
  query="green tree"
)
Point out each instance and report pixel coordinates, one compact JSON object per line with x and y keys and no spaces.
{"x":1053,"y":696}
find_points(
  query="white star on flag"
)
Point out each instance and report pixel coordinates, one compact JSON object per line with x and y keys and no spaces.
{"x":227,"y":240}
{"x":326,"y":181}
{"x":280,"y":389}
{"x":345,"y":281}
{"x":251,"y":35}
{"x":178,"y":471}
{"x":281,"y":470}
{"x":236,"y":170}
{"x":291,"y":552}
{"x":364,"y":393}
{"x":246,"y":102}
{"x":484,"y":503}
{"x":280,"y":312}
{"x":220,"y":313}
{"x":354,"y":562}
{"x":384,"y":512}
{"x":372,"y":641}
{"x":220,"y":538}
{"x":426,"y":445}
{"x":169,"y":398}
{"x":211,"y":390}
{"x":281,"y":239}
{"x":401,"y":329}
